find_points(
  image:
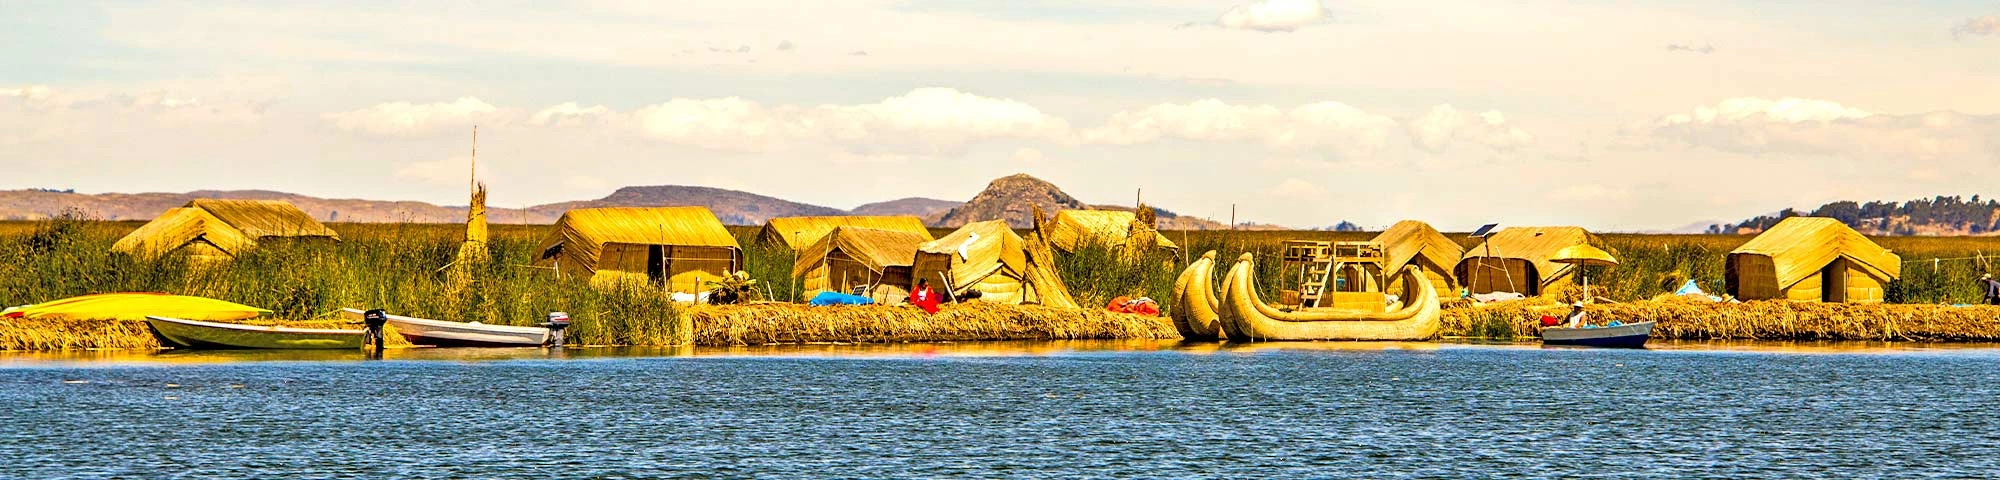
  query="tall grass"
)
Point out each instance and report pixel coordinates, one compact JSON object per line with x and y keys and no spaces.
{"x":394,"y":267}
{"x":400,"y":267}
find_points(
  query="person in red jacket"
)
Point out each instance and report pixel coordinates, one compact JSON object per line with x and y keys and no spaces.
{"x":923,"y":297}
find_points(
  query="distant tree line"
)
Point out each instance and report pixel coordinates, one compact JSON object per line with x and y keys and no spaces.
{"x":1953,"y":213}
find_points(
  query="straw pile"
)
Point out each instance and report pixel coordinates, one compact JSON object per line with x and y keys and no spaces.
{"x":67,"y":334}
{"x":1681,"y":318}
{"x":723,"y":325}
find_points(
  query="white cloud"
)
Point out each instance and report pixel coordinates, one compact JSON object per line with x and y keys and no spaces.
{"x":405,"y":119}
{"x":1820,"y":127}
{"x":569,"y":114}
{"x":38,"y":113}
{"x":932,"y":119}
{"x":924,"y":121}
{"x":1987,"y":25}
{"x":1326,"y":127}
{"x":1443,"y":125}
{"x":730,"y":123}
{"x":1274,"y":15}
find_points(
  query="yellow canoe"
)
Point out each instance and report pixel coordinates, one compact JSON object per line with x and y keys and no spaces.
{"x":135,"y":307}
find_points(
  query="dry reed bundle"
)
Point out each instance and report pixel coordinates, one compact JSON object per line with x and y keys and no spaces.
{"x":64,"y":334}
{"x":720,"y":325}
{"x":1681,"y":318}
{"x":67,"y":334}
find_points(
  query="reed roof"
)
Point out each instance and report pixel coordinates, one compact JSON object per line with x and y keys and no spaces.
{"x":979,"y":249}
{"x":1801,"y":246}
{"x":1408,"y":240}
{"x":1536,"y":245}
{"x":228,"y":227}
{"x":874,"y":248}
{"x":580,"y":234}
{"x":1075,"y":228}
{"x":178,"y":227}
{"x":798,"y":233}
{"x":264,"y":218}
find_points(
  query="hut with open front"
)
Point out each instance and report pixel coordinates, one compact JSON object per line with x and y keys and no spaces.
{"x":210,"y":229}
{"x":850,"y":258}
{"x":797,"y":233}
{"x":1520,"y":260}
{"x":1073,"y":229}
{"x":676,"y":248}
{"x":1811,"y":259}
{"x":984,"y":257}
{"x":1412,"y":242}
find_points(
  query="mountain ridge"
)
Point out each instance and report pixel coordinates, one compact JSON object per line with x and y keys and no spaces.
{"x":733,"y":207}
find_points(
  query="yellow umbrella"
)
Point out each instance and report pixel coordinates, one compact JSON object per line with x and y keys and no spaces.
{"x":135,"y":307}
{"x":1584,"y":256}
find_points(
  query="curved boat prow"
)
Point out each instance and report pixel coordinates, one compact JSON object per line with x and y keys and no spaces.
{"x":1194,"y":300}
{"x":1242,"y":310}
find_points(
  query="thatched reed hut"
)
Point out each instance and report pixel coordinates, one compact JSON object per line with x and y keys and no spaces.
{"x":677,"y":248}
{"x":210,"y":229}
{"x":850,"y":257}
{"x":987,"y":257}
{"x":1073,"y":229}
{"x":797,"y":233}
{"x":1520,"y":260}
{"x":1412,"y":242}
{"x":1811,"y":259}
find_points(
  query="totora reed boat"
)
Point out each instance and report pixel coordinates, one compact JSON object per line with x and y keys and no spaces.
{"x":1193,"y":308}
{"x":460,"y":334}
{"x":199,"y":334}
{"x":1245,"y":316}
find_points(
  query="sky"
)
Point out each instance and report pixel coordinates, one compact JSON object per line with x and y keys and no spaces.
{"x":1617,"y":116}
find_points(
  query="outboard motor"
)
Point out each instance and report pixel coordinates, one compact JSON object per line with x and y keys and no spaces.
{"x":374,"y":320}
{"x":558,"y":321}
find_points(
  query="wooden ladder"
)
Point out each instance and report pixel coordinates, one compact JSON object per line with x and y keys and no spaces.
{"x":1317,"y":260}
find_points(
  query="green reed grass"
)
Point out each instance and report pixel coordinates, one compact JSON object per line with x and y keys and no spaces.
{"x":400,"y":268}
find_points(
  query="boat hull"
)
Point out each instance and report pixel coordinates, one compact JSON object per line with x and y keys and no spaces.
{"x":199,"y":334}
{"x":1245,"y":316}
{"x":439,"y":333}
{"x":1632,"y":335}
{"x":1193,"y":310}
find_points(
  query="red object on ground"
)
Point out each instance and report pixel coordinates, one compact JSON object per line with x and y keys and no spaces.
{"x":1143,"y":308}
{"x":925,"y":298}
{"x":1550,"y":321}
{"x":1118,"y":304}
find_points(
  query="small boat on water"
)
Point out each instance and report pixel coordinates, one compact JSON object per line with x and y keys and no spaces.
{"x":1629,"y":335}
{"x":1245,"y":316}
{"x":441,"y":333}
{"x":1194,"y":301}
{"x":199,"y":334}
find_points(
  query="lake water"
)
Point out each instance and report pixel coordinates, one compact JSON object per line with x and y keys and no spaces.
{"x":1065,"y":409}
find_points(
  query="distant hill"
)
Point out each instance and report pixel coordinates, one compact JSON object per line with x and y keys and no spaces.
{"x":1013,"y":197}
{"x":40,"y":204}
{"x":915,"y":206}
{"x":1939,"y":215}
{"x":731,"y":206}
{"x":1007,"y":198}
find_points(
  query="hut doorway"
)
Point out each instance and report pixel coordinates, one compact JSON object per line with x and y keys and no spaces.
{"x":1833,"y":282}
{"x":656,"y":264}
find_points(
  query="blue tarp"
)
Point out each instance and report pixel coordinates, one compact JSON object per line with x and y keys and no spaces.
{"x":837,"y":298}
{"x":1690,"y":289}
